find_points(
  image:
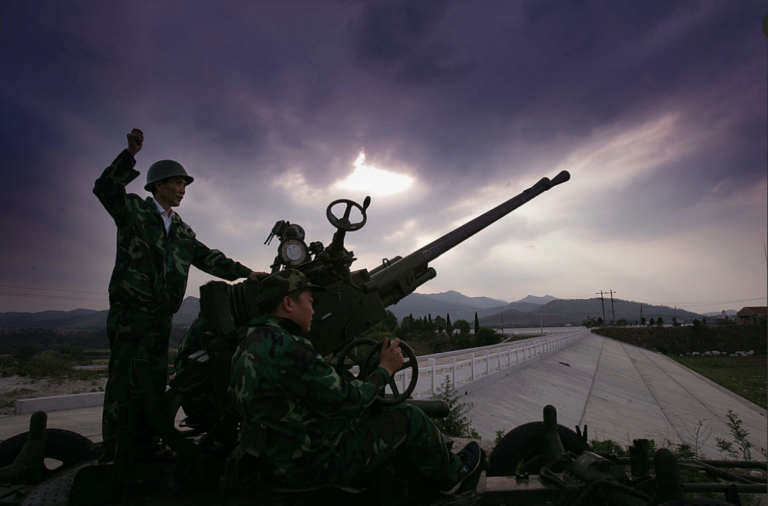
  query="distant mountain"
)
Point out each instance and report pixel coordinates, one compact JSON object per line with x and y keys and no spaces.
{"x":560,"y":312}
{"x":525,"y":307}
{"x":463,"y":300}
{"x":85,"y":319}
{"x":25,"y":319}
{"x":532,"y":299}
{"x":458,"y":305}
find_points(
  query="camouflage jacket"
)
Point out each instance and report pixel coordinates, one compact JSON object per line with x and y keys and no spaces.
{"x":151,"y":267}
{"x":282,"y":383}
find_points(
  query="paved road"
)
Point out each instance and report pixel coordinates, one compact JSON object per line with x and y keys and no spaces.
{"x":621,"y":392}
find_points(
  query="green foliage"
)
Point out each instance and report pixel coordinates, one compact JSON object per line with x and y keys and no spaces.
{"x":740,"y":448}
{"x":487,"y":336}
{"x":652,"y":322}
{"x":591,"y":322}
{"x":609,"y":447}
{"x":390,"y":321}
{"x":458,"y":423}
{"x":462,"y":326}
{"x":477,"y":324}
{"x":74,"y":353}
{"x":44,"y":364}
{"x":660,"y":322}
{"x":499,"y":436}
{"x":438,"y":346}
{"x":439,"y":323}
{"x":24,"y":352}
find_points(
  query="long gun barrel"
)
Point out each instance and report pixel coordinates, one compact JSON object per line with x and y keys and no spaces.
{"x":399,"y":277}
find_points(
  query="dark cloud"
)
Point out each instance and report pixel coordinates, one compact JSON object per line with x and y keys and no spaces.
{"x":459,"y":95}
{"x":403,"y":35}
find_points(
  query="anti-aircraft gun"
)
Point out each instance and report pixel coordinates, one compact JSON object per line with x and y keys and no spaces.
{"x":355,"y":301}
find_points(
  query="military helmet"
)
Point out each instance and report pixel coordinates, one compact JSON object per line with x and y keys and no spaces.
{"x":283,"y":283}
{"x":164,"y":169}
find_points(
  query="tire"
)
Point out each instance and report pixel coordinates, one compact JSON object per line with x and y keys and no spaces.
{"x":63,"y":449}
{"x":525,"y":444}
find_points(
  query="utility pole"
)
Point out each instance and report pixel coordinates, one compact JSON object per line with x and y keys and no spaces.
{"x":502,"y":324}
{"x":641,"y":313}
{"x":612,"y":311}
{"x":541,"y":323}
{"x":602,"y":304}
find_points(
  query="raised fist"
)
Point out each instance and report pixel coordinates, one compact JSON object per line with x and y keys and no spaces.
{"x":135,"y":140}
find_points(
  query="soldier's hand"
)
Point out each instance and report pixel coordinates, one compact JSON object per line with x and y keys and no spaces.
{"x":391,"y":356}
{"x":257,"y":276}
{"x":135,"y":140}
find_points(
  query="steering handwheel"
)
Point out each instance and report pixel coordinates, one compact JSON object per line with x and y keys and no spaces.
{"x":349,"y":357}
{"x":343,"y":223}
{"x":372,"y":362}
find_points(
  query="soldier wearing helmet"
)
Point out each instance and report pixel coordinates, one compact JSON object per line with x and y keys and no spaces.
{"x":155,"y":250}
{"x":310,"y":425}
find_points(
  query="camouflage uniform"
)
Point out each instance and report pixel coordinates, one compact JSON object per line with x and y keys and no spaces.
{"x":318,"y":426}
{"x":148,"y":283}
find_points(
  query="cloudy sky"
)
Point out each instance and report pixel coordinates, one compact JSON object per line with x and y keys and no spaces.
{"x":439,"y":110}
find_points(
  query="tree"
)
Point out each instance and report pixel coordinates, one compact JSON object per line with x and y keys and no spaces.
{"x":600,"y":322}
{"x":487,"y":336}
{"x":622,"y":322}
{"x":462,"y":326}
{"x":458,"y":423}
{"x":642,"y":321}
{"x":439,"y":323}
{"x":390,"y":321}
{"x":652,"y":322}
{"x":590,"y":322}
{"x":448,"y":326}
{"x":477,"y":324}
{"x":408,"y":324}
{"x":660,"y":322}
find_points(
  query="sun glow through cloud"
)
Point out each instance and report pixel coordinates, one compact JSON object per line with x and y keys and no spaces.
{"x":373,"y":180}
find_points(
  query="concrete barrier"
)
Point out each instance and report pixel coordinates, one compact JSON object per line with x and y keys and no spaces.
{"x":59,"y":402}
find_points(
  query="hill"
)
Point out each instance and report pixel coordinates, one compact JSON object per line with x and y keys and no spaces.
{"x":574,"y":311}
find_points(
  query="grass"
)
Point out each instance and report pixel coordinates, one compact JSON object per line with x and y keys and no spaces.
{"x":745,"y":376}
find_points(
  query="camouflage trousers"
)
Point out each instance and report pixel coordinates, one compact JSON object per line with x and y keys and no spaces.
{"x":403,"y":434}
{"x":133,"y":334}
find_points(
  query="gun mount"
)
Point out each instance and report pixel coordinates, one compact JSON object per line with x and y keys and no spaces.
{"x":355,"y":301}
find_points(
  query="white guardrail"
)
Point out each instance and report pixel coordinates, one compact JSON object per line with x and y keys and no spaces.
{"x":464,"y":367}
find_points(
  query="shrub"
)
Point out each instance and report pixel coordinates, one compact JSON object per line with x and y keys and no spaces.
{"x":458,"y":423}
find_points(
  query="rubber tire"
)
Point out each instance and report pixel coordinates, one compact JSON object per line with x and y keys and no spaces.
{"x":524,"y":443}
{"x":68,"y":447}
{"x":696,"y":501}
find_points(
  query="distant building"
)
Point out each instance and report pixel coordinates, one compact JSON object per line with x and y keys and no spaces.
{"x":749,"y":315}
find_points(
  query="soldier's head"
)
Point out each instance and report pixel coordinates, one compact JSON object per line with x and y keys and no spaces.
{"x":167,"y":180}
{"x":288,"y":294}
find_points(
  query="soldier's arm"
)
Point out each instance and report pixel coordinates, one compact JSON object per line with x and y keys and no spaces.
{"x":110,"y":187}
{"x":216,"y":263}
{"x":312,"y":379}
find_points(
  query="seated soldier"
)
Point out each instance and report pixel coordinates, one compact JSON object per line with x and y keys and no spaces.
{"x":318,"y":428}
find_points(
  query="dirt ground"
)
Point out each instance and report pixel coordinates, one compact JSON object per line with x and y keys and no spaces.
{"x":19,"y":387}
